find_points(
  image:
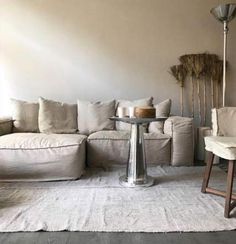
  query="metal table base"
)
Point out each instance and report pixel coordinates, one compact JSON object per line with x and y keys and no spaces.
{"x":136,"y":171}
{"x":146,"y":183}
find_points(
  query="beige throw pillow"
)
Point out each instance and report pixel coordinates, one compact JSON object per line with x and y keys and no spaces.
{"x":94,"y":117}
{"x":57,"y":117}
{"x":162,"y":110}
{"x":25,"y":116}
{"x":126,"y":103}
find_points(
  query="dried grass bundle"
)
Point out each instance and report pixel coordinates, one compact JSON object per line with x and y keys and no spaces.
{"x":210,"y":60}
{"x":180,"y":73}
{"x":205,"y":67}
{"x":198,"y":70}
{"x":216,"y":76}
{"x":187,"y":61}
{"x":198,"y":64}
{"x":217,"y":71}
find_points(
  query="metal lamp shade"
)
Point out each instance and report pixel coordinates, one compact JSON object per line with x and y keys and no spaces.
{"x":224,"y":12}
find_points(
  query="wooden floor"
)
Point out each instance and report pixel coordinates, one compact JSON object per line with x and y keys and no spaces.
{"x":227,"y":237}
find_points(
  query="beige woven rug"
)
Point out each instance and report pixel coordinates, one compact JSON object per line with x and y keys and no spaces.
{"x":98,"y":203}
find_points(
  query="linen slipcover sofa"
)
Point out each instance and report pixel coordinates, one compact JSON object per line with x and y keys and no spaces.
{"x":55,"y":141}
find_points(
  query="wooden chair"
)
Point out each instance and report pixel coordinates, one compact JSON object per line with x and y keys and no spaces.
{"x":222,"y":144}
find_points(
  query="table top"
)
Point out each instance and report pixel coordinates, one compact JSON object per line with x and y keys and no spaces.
{"x":138,"y":120}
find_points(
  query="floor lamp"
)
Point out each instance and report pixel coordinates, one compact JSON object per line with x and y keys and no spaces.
{"x":224,"y":13}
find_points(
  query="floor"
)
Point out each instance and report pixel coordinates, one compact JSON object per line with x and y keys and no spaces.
{"x":224,"y":237}
{"x":227,"y":237}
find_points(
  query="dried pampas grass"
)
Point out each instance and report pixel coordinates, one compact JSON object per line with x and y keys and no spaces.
{"x":203,"y":67}
{"x":187,"y":61}
{"x":180,"y":73}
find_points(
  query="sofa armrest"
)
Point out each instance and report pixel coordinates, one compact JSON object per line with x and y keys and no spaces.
{"x":181,"y":131}
{"x":6,"y":125}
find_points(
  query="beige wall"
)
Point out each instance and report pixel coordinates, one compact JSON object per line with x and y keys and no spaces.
{"x":100,"y":49}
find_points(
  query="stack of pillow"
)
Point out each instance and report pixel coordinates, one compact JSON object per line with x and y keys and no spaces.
{"x":85,"y":117}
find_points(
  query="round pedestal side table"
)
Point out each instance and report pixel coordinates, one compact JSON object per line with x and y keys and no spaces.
{"x":136,"y":170}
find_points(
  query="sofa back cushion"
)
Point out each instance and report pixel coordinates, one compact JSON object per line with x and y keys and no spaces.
{"x":94,"y":117}
{"x":25,"y":116}
{"x":135,"y":103}
{"x":57,"y":117}
{"x":162,"y":110}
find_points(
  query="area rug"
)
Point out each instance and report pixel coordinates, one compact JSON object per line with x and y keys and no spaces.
{"x":98,"y":203}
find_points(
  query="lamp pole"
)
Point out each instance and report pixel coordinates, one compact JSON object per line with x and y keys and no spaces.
{"x":224,"y":60}
{"x":224,"y":13}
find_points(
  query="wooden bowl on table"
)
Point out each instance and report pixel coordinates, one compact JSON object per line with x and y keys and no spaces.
{"x":145,"y":112}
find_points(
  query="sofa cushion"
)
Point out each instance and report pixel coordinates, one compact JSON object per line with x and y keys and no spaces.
{"x":25,"y":116}
{"x":162,"y":110}
{"x":6,"y":125}
{"x":36,"y":156}
{"x":182,"y":143}
{"x":94,"y":117}
{"x":135,"y":103}
{"x":57,"y":117}
{"x":105,"y":147}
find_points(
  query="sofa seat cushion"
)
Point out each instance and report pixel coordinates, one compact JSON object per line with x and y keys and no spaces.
{"x":36,"y":156}
{"x":105,"y":147}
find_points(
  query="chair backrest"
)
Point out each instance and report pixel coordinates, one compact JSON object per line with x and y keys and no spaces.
{"x":224,"y":121}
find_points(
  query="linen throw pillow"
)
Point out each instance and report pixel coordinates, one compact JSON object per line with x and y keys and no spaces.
{"x":94,"y":117}
{"x":57,"y":117}
{"x":25,"y":116}
{"x":162,"y":110}
{"x":135,"y":103}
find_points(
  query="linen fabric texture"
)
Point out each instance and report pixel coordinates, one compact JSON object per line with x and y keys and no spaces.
{"x":162,"y":110}
{"x":57,"y":117}
{"x":95,"y":116}
{"x":223,"y":141}
{"x":224,"y":121}
{"x":180,"y":129}
{"x":108,"y":147}
{"x":38,"y":156}
{"x":25,"y":116}
{"x":222,"y":146}
{"x":126,"y":104}
{"x":99,"y":203}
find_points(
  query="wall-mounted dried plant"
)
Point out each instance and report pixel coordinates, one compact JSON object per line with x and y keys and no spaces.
{"x":180,"y":73}
{"x":203,"y":67}
{"x":210,"y":60}
{"x":187,"y":61}
{"x":216,"y":77}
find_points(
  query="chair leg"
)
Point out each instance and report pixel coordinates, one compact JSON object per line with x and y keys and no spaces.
{"x":230,"y":179}
{"x":207,"y":172}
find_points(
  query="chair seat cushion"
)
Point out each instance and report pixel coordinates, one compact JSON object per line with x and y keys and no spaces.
{"x":37,"y":156}
{"x":222,"y":146}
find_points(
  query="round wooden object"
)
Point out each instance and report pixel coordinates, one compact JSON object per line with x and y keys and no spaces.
{"x":145,"y":112}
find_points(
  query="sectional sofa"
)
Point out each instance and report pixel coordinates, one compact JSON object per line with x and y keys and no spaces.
{"x":56,"y":141}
